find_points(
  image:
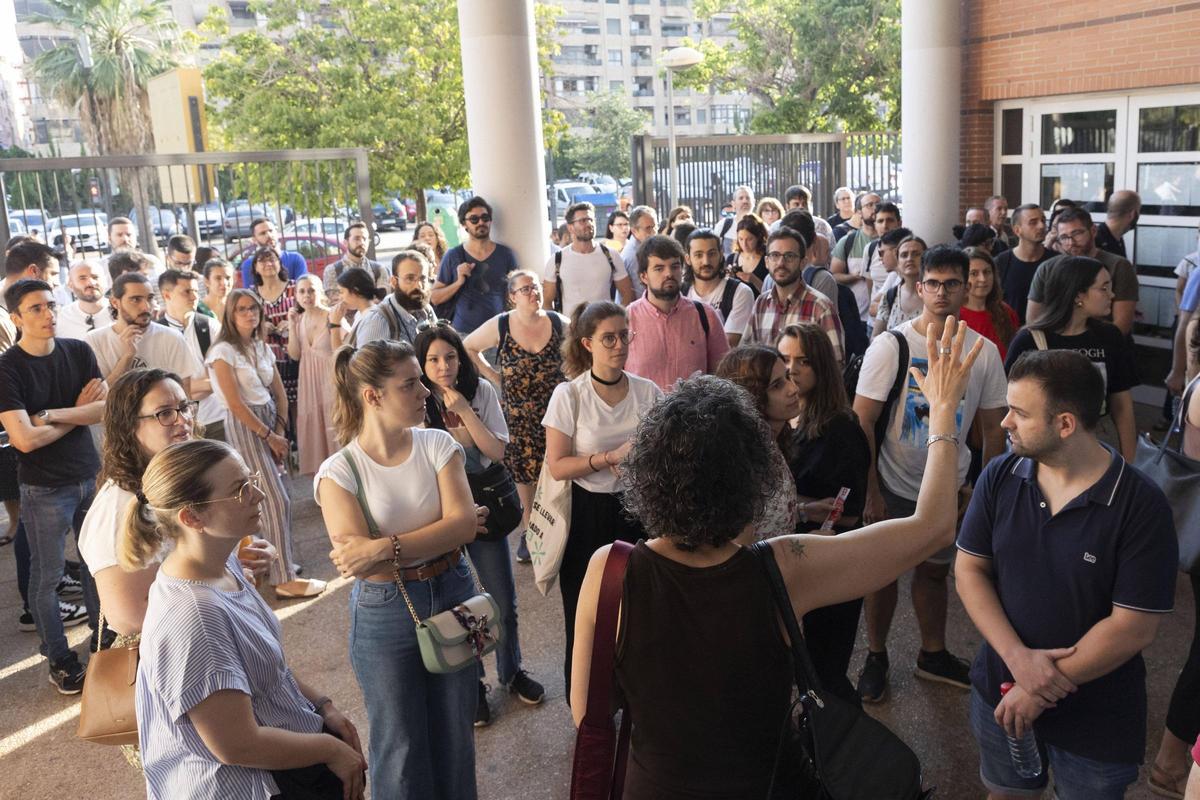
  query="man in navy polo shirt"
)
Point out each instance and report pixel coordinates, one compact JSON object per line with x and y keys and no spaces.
{"x":1067,"y":560}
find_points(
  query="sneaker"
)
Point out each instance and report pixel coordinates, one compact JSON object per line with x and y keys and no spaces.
{"x":526,"y":688}
{"x":72,"y":614}
{"x":25,"y":622}
{"x":69,"y":588}
{"x":523,"y":556}
{"x":872,"y":681}
{"x":483,"y":714}
{"x":67,"y":675}
{"x":71,"y":568}
{"x":944,"y":668}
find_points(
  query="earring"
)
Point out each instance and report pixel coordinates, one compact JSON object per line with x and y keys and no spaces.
{"x":1079,"y":304}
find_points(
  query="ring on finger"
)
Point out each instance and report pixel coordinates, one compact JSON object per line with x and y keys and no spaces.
{"x":944,"y":351}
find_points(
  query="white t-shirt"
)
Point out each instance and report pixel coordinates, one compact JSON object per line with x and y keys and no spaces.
{"x":586,"y":277}
{"x":1184,"y":269}
{"x":254,"y":379}
{"x":401,"y":498}
{"x":159,"y":348}
{"x":598,"y":427}
{"x":212,"y":408}
{"x":72,"y":321}
{"x":102,"y":529}
{"x":902,"y":456}
{"x":739,"y":314}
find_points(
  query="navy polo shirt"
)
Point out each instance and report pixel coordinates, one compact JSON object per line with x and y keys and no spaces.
{"x":1057,"y":576}
{"x":290,"y":260}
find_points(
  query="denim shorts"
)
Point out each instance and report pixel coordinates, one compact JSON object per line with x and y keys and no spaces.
{"x":1075,"y":777}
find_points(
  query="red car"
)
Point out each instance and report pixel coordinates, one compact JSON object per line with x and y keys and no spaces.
{"x":318,"y":251}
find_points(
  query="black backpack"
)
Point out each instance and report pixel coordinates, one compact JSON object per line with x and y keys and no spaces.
{"x":850,"y":376}
{"x":847,"y":308}
{"x":203,"y":331}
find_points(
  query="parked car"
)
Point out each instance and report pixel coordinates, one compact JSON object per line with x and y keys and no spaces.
{"x":33,"y":218}
{"x":90,"y":230}
{"x":209,"y":218}
{"x":410,"y":208}
{"x":318,"y":251}
{"x":332,"y":227}
{"x":239,"y":215}
{"x":164,"y":224}
{"x":390,"y":214}
{"x":16,"y":226}
{"x":602,"y":182}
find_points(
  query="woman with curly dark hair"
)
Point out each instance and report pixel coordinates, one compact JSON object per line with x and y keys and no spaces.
{"x":697,"y":611}
{"x":748,"y":261}
{"x":432,"y":236}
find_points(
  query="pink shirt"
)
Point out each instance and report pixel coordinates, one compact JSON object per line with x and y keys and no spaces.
{"x":668,"y":347}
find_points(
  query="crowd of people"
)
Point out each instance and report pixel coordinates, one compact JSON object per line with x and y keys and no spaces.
{"x":871,"y":404}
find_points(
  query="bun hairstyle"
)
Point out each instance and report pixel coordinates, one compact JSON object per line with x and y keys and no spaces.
{"x":360,"y":282}
{"x":353,"y":368}
{"x":584,"y":320}
{"x":175,"y":478}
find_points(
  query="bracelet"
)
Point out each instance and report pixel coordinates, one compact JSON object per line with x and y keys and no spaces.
{"x":395,"y":537}
{"x":593,"y":469}
{"x":804,"y":511}
{"x":941,"y":437}
{"x":265,"y":434}
{"x":321,"y":702}
{"x":332,"y":326}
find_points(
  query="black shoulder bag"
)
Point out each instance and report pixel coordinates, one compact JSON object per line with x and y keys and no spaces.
{"x":843,"y":753}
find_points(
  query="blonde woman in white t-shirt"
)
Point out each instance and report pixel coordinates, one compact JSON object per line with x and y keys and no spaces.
{"x":413,"y":482}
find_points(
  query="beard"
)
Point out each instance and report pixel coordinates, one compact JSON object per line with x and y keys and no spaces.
{"x":666,"y":294}
{"x":412,"y":302}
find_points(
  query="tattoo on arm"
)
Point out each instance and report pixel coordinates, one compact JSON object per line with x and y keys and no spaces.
{"x":797,"y":547}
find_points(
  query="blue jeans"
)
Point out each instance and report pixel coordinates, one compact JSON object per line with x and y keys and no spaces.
{"x":49,"y":513}
{"x":493,"y":561}
{"x":422,"y":743}
{"x":1075,"y":777}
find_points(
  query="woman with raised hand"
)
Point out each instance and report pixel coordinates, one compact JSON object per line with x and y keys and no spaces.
{"x":243,"y":369}
{"x":219,"y":712}
{"x":708,"y":436}
{"x":590,"y":423}
{"x":311,"y":345}
{"x":397,"y":506}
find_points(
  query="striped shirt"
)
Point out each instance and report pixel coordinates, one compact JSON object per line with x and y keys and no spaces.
{"x":196,"y":641}
{"x":805,"y":305}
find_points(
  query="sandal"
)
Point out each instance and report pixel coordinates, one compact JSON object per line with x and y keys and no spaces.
{"x":1163,"y":785}
{"x":6,"y":540}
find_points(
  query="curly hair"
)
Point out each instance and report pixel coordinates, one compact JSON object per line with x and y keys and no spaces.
{"x":123,"y":459}
{"x":442,"y":244}
{"x":757,"y":229}
{"x":689,"y":449}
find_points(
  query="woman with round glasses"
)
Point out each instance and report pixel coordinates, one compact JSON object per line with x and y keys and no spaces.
{"x":589,"y":423}
{"x":616,"y":231}
{"x":243,"y":370}
{"x":527,"y":343}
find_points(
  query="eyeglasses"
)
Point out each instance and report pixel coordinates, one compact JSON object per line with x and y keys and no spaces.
{"x":588,"y":220}
{"x":169,"y":416}
{"x":529,"y":288}
{"x":244,"y":492}
{"x":37,"y":309}
{"x":475,"y":219}
{"x":426,"y":324}
{"x":609,"y":340}
{"x":787,"y":258}
{"x":1075,"y":236}
{"x":246,"y":309}
{"x":934,"y":286}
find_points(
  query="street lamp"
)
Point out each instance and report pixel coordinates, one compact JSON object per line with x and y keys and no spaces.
{"x":676,"y":58}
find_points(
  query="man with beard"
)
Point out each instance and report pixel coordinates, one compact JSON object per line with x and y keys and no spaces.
{"x":357,"y":237}
{"x":671,"y":337}
{"x":584,"y":272}
{"x":790,"y":301}
{"x":397,"y":317}
{"x":264,"y":234}
{"x":133,"y":341}
{"x":87,"y":313}
{"x":1066,"y":564}
{"x":848,"y":262}
{"x":472,"y":282}
{"x":709,"y":284}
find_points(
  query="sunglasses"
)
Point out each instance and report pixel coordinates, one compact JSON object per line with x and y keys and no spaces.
{"x":426,"y":325}
{"x":475,"y":219}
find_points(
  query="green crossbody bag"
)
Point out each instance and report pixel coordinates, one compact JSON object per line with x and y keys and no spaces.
{"x":456,"y":637}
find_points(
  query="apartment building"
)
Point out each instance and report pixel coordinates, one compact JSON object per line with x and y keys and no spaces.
{"x":614,"y":46}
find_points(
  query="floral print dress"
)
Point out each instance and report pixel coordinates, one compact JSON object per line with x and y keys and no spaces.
{"x":527,"y":380}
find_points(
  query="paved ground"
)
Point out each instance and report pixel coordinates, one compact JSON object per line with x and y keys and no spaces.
{"x":525,"y":754}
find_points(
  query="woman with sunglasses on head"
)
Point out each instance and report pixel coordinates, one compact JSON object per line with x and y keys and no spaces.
{"x":899,"y":300}
{"x":243,"y":370}
{"x":469,"y":409}
{"x":278,"y":295}
{"x":527,"y":342}
{"x":219,"y":712}
{"x":412,"y":482}
{"x":311,"y":345}
{"x":589,"y":423}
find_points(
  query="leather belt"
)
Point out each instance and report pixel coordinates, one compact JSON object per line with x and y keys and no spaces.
{"x":431,"y":569}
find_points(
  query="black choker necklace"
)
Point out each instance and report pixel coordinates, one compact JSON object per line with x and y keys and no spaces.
{"x":598,"y":379}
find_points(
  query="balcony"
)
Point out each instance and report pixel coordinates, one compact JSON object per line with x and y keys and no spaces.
{"x":643,"y":93}
{"x":583,"y":61}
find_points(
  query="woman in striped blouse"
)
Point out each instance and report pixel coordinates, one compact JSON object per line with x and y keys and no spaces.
{"x":219,"y":712}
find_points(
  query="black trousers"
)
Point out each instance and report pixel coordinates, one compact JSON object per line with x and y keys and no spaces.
{"x":830,"y":633}
{"x":596,"y":520}
{"x":1183,"y":715}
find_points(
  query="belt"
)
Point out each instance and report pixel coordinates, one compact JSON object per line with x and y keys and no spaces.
{"x":431,"y":569}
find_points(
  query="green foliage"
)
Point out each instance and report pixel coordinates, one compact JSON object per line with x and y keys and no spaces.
{"x":606,"y":146}
{"x":810,"y":65}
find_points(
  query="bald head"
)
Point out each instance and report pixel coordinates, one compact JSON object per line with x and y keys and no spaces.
{"x":84,"y":281}
{"x":1124,"y":203}
{"x":976,"y":216}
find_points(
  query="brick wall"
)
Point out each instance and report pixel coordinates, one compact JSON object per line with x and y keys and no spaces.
{"x":1028,"y":48}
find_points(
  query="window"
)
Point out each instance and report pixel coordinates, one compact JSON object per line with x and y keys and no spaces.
{"x":239,"y":10}
{"x":639,"y":26}
{"x":720,"y":26}
{"x":643,"y":87}
{"x":674,"y":28}
{"x":590,"y":29}
{"x":616,"y":87}
{"x":1090,"y":184}
{"x":613,"y":25}
{"x":1010,"y":184}
{"x":640,"y":56}
{"x":1080,"y":132}
{"x":701,"y":116}
{"x":614,"y":56}
{"x":1170,"y":188}
{"x":1169,"y":129}
{"x":1011,"y":138}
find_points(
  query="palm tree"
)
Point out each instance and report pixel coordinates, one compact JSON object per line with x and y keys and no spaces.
{"x":117,"y":47}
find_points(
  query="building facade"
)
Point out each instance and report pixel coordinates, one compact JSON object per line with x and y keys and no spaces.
{"x":615,"y":45}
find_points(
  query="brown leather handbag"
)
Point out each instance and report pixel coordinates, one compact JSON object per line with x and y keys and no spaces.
{"x":107,"y":713}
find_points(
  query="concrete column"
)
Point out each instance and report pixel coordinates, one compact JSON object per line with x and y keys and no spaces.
{"x":931,"y":87}
{"x":504,"y":122}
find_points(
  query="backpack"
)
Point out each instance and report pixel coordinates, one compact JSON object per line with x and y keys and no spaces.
{"x":203,"y":332}
{"x":847,"y":308}
{"x":558,"y":293}
{"x":727,"y":295}
{"x":850,"y":376}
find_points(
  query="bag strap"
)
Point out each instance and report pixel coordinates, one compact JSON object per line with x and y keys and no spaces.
{"x":1180,"y":415}
{"x":556,"y":324}
{"x":612,"y":268}
{"x":203,"y":333}
{"x":558,"y":292}
{"x":703,"y":317}
{"x":805,"y":673}
{"x":393,"y":319}
{"x":901,"y":368}
{"x":727,"y":295}
{"x":892,"y":294}
{"x":1039,"y":338}
{"x":359,"y":494}
{"x":502,"y":324}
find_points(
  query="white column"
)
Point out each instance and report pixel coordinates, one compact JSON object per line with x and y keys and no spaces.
{"x":504,"y":122}
{"x":930,"y":86}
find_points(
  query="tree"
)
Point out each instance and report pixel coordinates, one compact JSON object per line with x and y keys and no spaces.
{"x":127,"y":42}
{"x":605,"y":148}
{"x":381,"y":74}
{"x":810,"y":65}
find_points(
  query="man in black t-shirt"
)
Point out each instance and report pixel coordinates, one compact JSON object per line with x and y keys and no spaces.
{"x":50,"y":391}
{"x":1124,"y":208}
{"x":1015,"y":268}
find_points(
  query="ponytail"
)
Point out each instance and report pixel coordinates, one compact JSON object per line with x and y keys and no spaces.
{"x":584,"y":321}
{"x":141,"y":538}
{"x":354,"y":368}
{"x":347,"y":405}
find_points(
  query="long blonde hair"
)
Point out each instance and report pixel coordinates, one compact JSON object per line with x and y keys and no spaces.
{"x":175,"y":478}
{"x":353,"y":368}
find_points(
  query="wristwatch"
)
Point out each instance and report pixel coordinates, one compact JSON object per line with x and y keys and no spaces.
{"x":44,"y":415}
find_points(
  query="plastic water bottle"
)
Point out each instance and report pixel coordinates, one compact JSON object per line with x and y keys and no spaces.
{"x":1026,"y":759}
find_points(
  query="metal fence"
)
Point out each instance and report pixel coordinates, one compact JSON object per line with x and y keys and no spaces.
{"x":711,"y":167}
{"x":311,"y":195}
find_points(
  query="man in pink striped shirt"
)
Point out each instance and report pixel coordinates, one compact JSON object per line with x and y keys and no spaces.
{"x":671,"y":337}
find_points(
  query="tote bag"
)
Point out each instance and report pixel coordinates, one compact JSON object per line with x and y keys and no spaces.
{"x":549,"y":521}
{"x":1179,"y":478}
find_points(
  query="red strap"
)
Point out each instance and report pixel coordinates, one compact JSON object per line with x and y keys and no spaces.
{"x":604,"y":641}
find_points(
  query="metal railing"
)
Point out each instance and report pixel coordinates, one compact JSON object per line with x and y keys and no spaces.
{"x":211,"y":196}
